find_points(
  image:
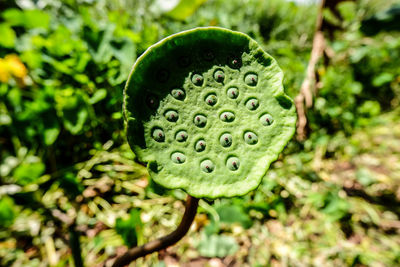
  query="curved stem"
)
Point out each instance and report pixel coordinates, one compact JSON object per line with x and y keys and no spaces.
{"x":165,"y":241}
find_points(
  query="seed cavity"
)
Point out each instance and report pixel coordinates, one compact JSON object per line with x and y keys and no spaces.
{"x":200,"y":145}
{"x":219,"y":76}
{"x":207,"y":166}
{"x":197,"y":79}
{"x":251,"y":79}
{"x":233,"y":92}
{"x":162,"y":75}
{"x":181,"y":136}
{"x":178,"y":94}
{"x":225,"y":140}
{"x":178,"y":157}
{"x":200,"y":120}
{"x":184,"y":61}
{"x":252,"y":104}
{"x":227,"y":116}
{"x":171,"y":115}
{"x":234,"y":62}
{"x":250,"y":138}
{"x":233,"y":163}
{"x":266,"y":119}
{"x":152,"y":101}
{"x":208,"y":55}
{"x":158,"y":135}
{"x":211,"y":99}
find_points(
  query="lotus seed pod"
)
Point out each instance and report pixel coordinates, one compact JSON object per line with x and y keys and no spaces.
{"x":206,"y":110}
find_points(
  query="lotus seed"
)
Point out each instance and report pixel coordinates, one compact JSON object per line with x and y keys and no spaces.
{"x":171,"y":115}
{"x":178,"y":94}
{"x":152,"y":101}
{"x":197,"y":79}
{"x":178,"y":158}
{"x":227,"y":116}
{"x":266,"y":119}
{"x":250,"y":138}
{"x":158,"y":135}
{"x":233,"y":163}
{"x":252,"y":104}
{"x":208,"y":55}
{"x":181,"y":136}
{"x":211,"y":99}
{"x":219,"y":76}
{"x":233,"y":92}
{"x":200,"y":121}
{"x":225,"y":140}
{"x":251,"y":79}
{"x":162,"y":75}
{"x":234,"y":62}
{"x":200,"y":145}
{"x":207,"y":166}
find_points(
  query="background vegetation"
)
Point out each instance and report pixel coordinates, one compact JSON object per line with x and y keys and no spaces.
{"x":66,"y":170}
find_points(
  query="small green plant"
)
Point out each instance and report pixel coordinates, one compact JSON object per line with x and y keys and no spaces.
{"x":206,"y":110}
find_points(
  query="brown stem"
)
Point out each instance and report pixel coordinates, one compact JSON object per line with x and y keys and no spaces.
{"x":165,"y":241}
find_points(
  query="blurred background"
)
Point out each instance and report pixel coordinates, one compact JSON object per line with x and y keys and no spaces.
{"x":68,"y":175}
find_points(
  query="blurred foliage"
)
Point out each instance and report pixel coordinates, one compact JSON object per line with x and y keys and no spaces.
{"x":331,"y":200}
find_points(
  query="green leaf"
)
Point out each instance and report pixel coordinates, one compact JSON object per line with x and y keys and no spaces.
{"x":7,"y":211}
{"x":130,"y":229}
{"x":98,"y":96}
{"x":382,"y":79}
{"x":184,"y":9}
{"x":217,"y":246}
{"x":7,"y":36}
{"x":233,"y":214}
{"x":33,"y":18}
{"x":28,"y":172}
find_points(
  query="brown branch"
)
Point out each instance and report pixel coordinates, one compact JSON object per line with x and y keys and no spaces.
{"x":165,"y":241}
{"x":304,"y":99}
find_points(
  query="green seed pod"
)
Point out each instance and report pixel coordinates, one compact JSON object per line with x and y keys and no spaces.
{"x":206,"y":110}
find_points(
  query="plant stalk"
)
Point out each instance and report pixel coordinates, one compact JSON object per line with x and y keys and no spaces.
{"x":165,"y":241}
